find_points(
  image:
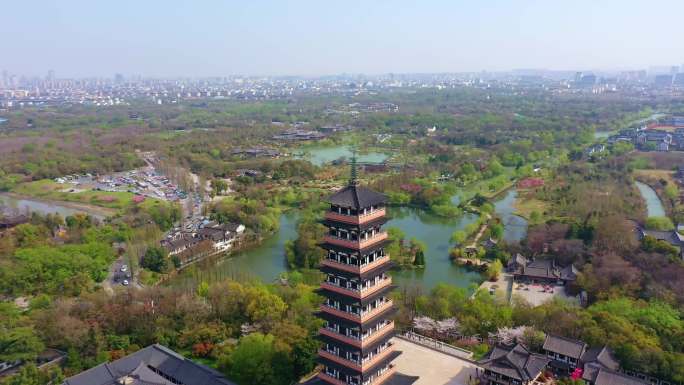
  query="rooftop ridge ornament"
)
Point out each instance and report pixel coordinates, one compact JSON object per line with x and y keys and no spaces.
{"x":353,"y":178}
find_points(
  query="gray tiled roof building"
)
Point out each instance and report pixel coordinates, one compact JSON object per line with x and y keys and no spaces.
{"x":153,"y":365}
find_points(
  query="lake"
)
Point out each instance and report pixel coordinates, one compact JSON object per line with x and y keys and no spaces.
{"x":267,"y":261}
{"x":28,"y":205}
{"x":515,"y":227}
{"x":653,"y":204}
{"x":323,"y":155}
{"x":264,"y":262}
{"x":435,"y":232}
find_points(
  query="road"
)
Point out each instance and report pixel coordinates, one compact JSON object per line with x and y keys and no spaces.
{"x":115,"y":276}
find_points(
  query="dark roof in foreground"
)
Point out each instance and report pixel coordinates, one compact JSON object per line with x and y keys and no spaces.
{"x":515,"y":362}
{"x":356,"y":197}
{"x":154,"y":364}
{"x":565,"y":346}
{"x":602,"y":357}
{"x":601,"y":376}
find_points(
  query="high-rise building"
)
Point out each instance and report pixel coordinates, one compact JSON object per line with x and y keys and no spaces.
{"x":357,"y":309}
{"x":663,"y":81}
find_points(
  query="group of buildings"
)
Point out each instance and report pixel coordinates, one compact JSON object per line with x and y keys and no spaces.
{"x":564,"y":357}
{"x":207,"y":237}
{"x":299,"y":135}
{"x":664,"y":135}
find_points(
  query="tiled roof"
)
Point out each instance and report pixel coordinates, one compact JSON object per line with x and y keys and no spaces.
{"x":565,"y":346}
{"x":356,"y":197}
{"x":610,"y":377}
{"x":546,"y":268}
{"x":601,"y":356}
{"x":515,"y":362}
{"x":145,"y":364}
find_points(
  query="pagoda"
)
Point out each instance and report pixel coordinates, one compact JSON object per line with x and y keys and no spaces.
{"x":356,"y":347}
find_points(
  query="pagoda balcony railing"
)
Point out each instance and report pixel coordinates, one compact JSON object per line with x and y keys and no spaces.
{"x":355,"y":219}
{"x":356,"y":244}
{"x":360,"y":342}
{"x":364,"y":365}
{"x":377,"y":381}
{"x":357,"y":317}
{"x":356,"y":268}
{"x":360,"y":294}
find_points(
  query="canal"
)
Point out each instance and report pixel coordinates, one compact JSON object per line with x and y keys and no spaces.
{"x":653,"y":204}
{"x":267,"y":261}
{"x":515,"y":226}
{"x":23,"y":205}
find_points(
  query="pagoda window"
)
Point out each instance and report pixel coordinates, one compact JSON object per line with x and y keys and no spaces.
{"x":354,"y":261}
{"x":332,"y":349}
{"x":332,"y":372}
{"x":353,"y":356}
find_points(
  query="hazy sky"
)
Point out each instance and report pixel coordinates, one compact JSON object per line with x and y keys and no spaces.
{"x":291,"y":37}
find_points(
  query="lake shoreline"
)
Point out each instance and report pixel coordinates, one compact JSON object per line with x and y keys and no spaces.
{"x":95,"y":211}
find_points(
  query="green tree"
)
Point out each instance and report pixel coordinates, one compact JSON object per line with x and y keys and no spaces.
{"x":494,"y":269}
{"x":154,"y":259}
{"x":19,"y":344}
{"x":218,"y":186}
{"x":257,"y":360}
{"x":458,"y":237}
{"x":659,"y":223}
{"x":29,"y":374}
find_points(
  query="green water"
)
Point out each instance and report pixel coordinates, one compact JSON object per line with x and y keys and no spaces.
{"x":435,"y":233}
{"x":653,"y":204}
{"x":323,"y":155}
{"x":515,"y":227}
{"x":264,"y":262}
{"x":267,"y":261}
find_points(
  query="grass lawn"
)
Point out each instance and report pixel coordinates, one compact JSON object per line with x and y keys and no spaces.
{"x":502,"y":183}
{"x":526,"y":204}
{"x":47,"y":189}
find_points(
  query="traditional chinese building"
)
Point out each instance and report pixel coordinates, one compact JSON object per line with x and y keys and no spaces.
{"x":357,"y":309}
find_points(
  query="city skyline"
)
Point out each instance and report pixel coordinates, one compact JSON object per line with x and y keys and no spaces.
{"x":266,"y":38}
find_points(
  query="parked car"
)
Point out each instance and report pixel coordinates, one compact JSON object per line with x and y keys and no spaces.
{"x":125,"y":282}
{"x":124,"y":268}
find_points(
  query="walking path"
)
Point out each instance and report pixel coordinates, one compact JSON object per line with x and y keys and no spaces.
{"x":479,"y":233}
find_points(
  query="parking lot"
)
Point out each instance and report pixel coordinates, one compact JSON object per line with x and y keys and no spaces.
{"x":145,"y":181}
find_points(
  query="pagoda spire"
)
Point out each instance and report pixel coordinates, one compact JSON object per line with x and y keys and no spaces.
{"x":353,"y":178}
